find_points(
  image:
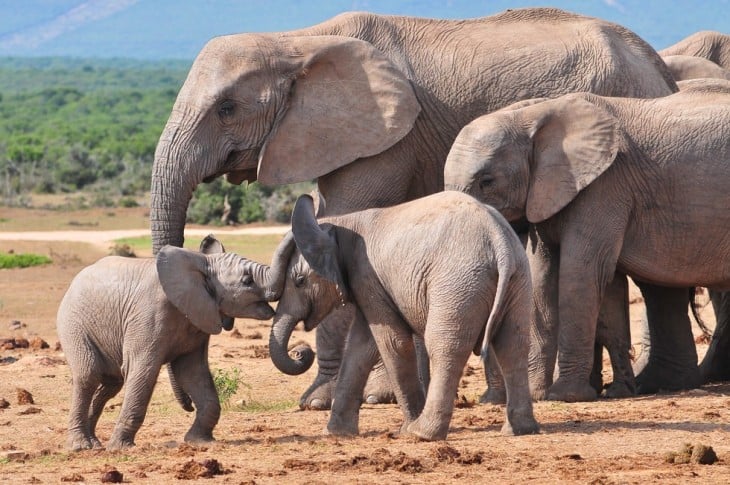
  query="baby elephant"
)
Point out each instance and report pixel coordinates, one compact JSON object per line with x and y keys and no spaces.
{"x":444,"y":267}
{"x":123,"y":318}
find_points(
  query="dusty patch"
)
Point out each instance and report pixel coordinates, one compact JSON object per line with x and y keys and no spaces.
{"x":621,"y":441}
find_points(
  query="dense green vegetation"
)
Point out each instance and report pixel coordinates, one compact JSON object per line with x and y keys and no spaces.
{"x":73,"y":124}
{"x":24,"y":260}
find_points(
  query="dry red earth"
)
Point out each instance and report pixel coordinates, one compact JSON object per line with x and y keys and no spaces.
{"x":268,"y":440}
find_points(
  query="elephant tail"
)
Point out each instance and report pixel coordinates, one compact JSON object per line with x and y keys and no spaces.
{"x":506,"y":268}
{"x":181,"y":396}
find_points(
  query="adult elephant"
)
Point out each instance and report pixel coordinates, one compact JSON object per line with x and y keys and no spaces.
{"x":711,"y":45}
{"x":369,"y":106}
{"x":691,"y":67}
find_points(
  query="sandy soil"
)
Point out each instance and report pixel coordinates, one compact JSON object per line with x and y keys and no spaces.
{"x":264,"y":438}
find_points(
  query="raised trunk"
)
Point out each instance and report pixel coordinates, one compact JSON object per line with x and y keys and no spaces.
{"x":278,"y":347}
{"x":276,"y":273}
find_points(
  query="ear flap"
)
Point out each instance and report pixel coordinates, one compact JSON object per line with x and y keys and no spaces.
{"x":574,"y":141}
{"x":349,"y":101}
{"x":318,"y":246}
{"x":182,"y":275}
{"x":211,"y":245}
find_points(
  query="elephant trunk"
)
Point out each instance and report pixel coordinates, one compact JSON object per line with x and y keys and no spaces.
{"x":278,"y":343}
{"x":174,"y":179}
{"x":276,"y":273}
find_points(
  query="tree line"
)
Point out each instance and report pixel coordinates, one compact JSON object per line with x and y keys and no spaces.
{"x":70,"y":125}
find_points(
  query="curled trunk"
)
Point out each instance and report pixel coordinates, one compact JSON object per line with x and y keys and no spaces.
{"x":278,"y":347}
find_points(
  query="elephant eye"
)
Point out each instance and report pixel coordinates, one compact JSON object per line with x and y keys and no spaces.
{"x":299,"y":280}
{"x":226,"y":109}
{"x":247,"y":280}
{"x":485,"y":180}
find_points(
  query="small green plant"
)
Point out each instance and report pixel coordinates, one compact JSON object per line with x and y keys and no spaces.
{"x":226,"y":384}
{"x":24,"y":260}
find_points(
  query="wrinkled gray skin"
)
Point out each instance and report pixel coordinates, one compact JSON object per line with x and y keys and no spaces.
{"x":369,"y":106}
{"x":123,"y":318}
{"x":691,"y":67}
{"x":708,"y":44}
{"x":444,"y":267}
{"x":651,"y":171}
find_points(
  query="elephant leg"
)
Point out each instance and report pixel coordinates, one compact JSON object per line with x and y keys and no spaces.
{"x":544,"y":267}
{"x":378,"y":389}
{"x":614,"y":332}
{"x":715,"y":365}
{"x":580,"y":294}
{"x":330,"y":340}
{"x":672,"y":360}
{"x":109,"y":387}
{"x":506,"y":344}
{"x":192,"y":372}
{"x":448,"y":358}
{"x":80,"y":436}
{"x":596,"y":377}
{"x":496,"y":392}
{"x":331,"y":337}
{"x":140,"y":379}
{"x":394,"y":340}
{"x":359,"y":357}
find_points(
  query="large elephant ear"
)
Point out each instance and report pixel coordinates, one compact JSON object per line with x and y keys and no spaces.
{"x":574,"y":141}
{"x":349,"y":101}
{"x":182,"y":274}
{"x":317,"y":245}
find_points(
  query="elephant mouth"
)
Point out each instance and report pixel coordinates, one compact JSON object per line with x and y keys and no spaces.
{"x":240,"y":166}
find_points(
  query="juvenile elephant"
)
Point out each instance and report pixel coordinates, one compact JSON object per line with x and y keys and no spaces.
{"x":607,"y":184}
{"x":444,"y":267}
{"x":708,"y":44}
{"x":123,"y":318}
{"x":369,"y":105}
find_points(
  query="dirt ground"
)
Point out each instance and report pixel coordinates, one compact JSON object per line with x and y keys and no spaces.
{"x":263,"y":437}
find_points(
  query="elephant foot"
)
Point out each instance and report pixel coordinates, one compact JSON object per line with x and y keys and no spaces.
{"x":520,"y":424}
{"x":319,"y":395}
{"x":197,"y":437}
{"x":571,"y":391}
{"x":655,"y":377}
{"x":79,"y":442}
{"x":493,"y":396}
{"x":427,"y":430}
{"x":342,"y":427}
{"x":619,"y":390}
{"x":119,"y":443}
{"x":378,"y":389}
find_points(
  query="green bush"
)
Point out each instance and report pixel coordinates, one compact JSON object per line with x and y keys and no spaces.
{"x":25,"y":260}
{"x":226,"y":384}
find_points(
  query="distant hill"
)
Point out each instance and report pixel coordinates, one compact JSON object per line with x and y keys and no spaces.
{"x":173,"y":29}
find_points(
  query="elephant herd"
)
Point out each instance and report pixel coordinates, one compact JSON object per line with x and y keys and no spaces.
{"x":605,"y":156}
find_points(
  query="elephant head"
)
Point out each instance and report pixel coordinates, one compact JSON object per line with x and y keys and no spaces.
{"x":532,"y":158}
{"x":276,"y":109}
{"x":212,"y":287}
{"x":314,"y":286}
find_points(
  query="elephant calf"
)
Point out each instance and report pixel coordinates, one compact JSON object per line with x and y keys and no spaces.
{"x":444,"y":267}
{"x":123,"y":318}
{"x":608,"y":184}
